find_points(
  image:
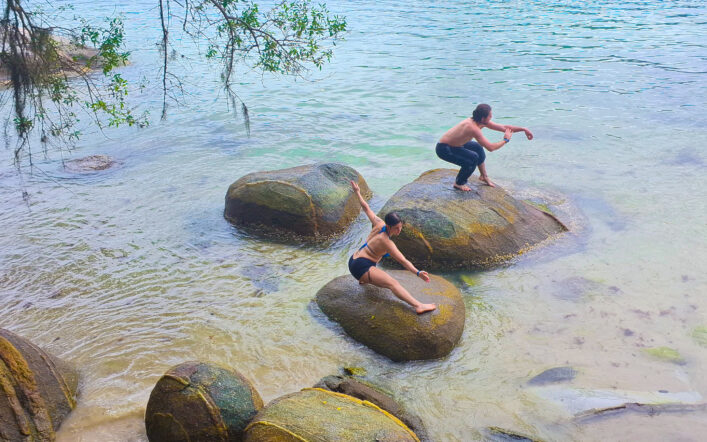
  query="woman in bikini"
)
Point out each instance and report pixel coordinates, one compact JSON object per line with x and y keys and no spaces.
{"x":362,"y":263}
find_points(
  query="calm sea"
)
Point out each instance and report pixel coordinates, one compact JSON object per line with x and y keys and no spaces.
{"x":128,"y":272}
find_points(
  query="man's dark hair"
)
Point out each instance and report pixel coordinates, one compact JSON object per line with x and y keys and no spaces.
{"x":482,"y":111}
{"x":392,"y":219}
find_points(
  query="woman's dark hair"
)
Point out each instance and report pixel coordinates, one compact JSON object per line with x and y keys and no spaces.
{"x":482,"y":111}
{"x":392,"y":219}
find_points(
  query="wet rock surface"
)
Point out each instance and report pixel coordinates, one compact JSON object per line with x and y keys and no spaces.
{"x":91,"y":163}
{"x":376,"y":318}
{"x":198,"y":401}
{"x":37,"y":391}
{"x":312,"y":201}
{"x":321,"y":415}
{"x":447,"y":228}
{"x":368,"y":392}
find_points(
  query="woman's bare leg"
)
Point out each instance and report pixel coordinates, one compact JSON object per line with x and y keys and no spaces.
{"x":379,"y":278}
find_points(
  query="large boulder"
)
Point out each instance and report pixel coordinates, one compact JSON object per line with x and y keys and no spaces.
{"x":376,"y":318}
{"x":196,"y":401}
{"x":446,"y":228}
{"x":37,"y":391}
{"x":320,"y":415}
{"x":314,"y":200}
{"x":376,"y":395}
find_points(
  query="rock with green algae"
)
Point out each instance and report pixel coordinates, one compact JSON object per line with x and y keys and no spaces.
{"x":447,"y":228}
{"x":319,"y":415}
{"x":195,"y":401}
{"x":312,"y":201}
{"x":37,"y":391}
{"x":376,"y":318}
{"x":665,"y":354}
{"x":367,"y":391}
{"x":699,"y":334}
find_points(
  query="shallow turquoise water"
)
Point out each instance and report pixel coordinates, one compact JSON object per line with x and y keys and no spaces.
{"x":128,"y":272}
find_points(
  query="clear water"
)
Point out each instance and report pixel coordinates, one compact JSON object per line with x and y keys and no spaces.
{"x":130,"y":271}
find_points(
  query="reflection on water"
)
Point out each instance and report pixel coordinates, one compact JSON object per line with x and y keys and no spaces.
{"x":132,"y":270}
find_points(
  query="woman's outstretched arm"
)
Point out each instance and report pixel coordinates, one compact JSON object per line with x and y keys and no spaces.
{"x":364,"y":205}
{"x":398,"y":256}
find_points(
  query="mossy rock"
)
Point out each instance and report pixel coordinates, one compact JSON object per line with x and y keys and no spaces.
{"x":195,"y":401}
{"x":666,"y":354}
{"x":376,"y":318}
{"x":312,"y":201}
{"x":367,"y":391}
{"x":699,"y":334}
{"x":320,"y":415}
{"x":37,"y":391}
{"x":447,"y":228}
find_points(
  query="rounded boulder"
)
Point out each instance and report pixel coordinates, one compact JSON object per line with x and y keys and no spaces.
{"x":198,"y":401}
{"x":319,"y":415}
{"x":375,"y":317}
{"x":313,"y":200}
{"x":37,"y":391}
{"x":448,"y":228}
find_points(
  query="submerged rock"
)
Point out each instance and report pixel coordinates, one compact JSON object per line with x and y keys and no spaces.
{"x":553,"y":376}
{"x":447,"y":228}
{"x":378,"y":319}
{"x":37,"y":391}
{"x":197,"y":401}
{"x":320,"y":415}
{"x":313,"y":200}
{"x":374,"y":394}
{"x":91,"y":163}
{"x":579,"y":401}
{"x":496,"y":434}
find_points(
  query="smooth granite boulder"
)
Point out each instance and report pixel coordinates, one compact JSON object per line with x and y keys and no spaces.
{"x":319,"y":415}
{"x":376,"y":318}
{"x":367,"y":391}
{"x":447,"y":228}
{"x":37,"y":391}
{"x":194,"y":401}
{"x":314,"y":200}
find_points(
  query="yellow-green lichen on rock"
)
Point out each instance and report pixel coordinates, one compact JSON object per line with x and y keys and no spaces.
{"x":376,"y":318}
{"x":195,"y":401}
{"x":314,"y":414}
{"x":37,"y":391}
{"x":448,"y":228}
{"x":666,"y":354}
{"x":312,"y":201}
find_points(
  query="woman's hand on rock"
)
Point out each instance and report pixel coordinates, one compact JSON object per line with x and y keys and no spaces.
{"x":424,"y":275}
{"x":355,"y":187}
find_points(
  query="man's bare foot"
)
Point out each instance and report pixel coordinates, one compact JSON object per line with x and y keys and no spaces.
{"x":486,"y":180}
{"x":464,"y":188}
{"x":422,"y":308}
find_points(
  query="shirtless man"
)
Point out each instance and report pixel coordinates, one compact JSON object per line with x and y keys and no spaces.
{"x":456,"y":145}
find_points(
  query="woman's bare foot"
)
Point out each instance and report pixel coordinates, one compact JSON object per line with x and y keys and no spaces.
{"x":464,"y":187}
{"x":486,"y":180}
{"x":422,"y":308}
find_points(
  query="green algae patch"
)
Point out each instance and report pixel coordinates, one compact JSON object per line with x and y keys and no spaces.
{"x":699,"y":334}
{"x":445,"y":228}
{"x":311,"y":201}
{"x":37,"y":391}
{"x":355,"y":371}
{"x":666,"y":354}
{"x":315,"y":414}
{"x":197,"y":401}
{"x":376,"y":318}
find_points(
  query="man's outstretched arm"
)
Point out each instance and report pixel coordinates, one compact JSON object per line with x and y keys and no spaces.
{"x":503,"y":127}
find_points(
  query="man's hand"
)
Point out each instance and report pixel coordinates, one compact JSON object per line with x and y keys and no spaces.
{"x":424,"y":275}
{"x":355,"y":187}
{"x":508,"y":133}
{"x":528,"y":134}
